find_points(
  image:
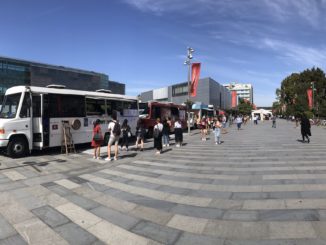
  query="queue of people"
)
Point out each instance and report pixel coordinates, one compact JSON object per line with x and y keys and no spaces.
{"x":161,"y":133}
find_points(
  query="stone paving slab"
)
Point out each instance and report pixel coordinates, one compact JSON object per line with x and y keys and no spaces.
{"x":261,"y":186}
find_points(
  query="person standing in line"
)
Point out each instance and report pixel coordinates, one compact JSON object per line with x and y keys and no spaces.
{"x":239,"y":121}
{"x":140,"y":135}
{"x":97,"y":139}
{"x":305,"y":128}
{"x":274,"y":121}
{"x":126,"y":134}
{"x":115,"y":131}
{"x":178,"y":132}
{"x":166,"y":133}
{"x":157,"y":135}
{"x":217,"y":130}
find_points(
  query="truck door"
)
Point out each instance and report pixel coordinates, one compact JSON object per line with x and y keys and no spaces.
{"x":37,"y":122}
{"x":26,"y":127}
{"x":45,"y":120}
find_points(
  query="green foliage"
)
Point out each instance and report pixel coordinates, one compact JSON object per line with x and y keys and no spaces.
{"x":293,"y":92}
{"x":244,"y":107}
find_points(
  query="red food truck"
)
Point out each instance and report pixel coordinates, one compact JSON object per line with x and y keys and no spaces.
{"x":150,"y":111}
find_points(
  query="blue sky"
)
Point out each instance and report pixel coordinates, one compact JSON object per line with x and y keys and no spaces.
{"x":143,"y":43}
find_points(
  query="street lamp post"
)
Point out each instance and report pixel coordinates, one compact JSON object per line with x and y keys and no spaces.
{"x":188,"y":62}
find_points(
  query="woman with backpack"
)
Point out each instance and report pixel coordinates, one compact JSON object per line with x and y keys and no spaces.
{"x":115,"y":132}
{"x":126,"y":134}
{"x":166,"y":133}
{"x":157,"y":135}
{"x":97,"y":139}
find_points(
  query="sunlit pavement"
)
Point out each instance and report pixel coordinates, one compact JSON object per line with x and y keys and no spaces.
{"x":260,"y":186}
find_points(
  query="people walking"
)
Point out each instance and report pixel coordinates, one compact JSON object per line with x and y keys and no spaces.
{"x":97,"y":139}
{"x":255,"y":119}
{"x":203,"y":130}
{"x":115,"y":132}
{"x":274,"y":121}
{"x":178,"y":133}
{"x":126,"y":134}
{"x":217,"y":131}
{"x":305,"y":128}
{"x":238,"y":121}
{"x":224,"y":131}
{"x":157,"y":135}
{"x":231,"y":120}
{"x":166,"y":133}
{"x":140,"y":135}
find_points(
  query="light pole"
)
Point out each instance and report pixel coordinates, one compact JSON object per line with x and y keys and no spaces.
{"x":188,"y":62}
{"x":313,"y":95}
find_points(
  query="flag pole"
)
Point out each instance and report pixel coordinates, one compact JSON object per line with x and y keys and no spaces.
{"x":188,"y":62}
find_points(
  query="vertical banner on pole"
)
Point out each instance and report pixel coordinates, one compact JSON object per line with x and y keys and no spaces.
{"x":195,"y":72}
{"x":234,"y":98}
{"x":309,"y":94}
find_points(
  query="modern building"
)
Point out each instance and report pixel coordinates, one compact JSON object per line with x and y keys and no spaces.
{"x":209,"y":92}
{"x":15,"y":72}
{"x":244,"y":91}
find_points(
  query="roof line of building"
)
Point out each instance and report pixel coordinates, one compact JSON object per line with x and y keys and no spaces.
{"x":29,"y":62}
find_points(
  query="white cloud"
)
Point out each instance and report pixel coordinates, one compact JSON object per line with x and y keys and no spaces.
{"x":298,"y":53}
{"x":309,"y":10}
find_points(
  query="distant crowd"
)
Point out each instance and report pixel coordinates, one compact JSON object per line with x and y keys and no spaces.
{"x":120,"y":134}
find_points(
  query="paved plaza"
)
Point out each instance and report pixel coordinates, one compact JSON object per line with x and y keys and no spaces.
{"x":260,"y":186}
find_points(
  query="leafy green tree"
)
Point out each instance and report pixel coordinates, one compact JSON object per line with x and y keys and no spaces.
{"x":244,"y":107}
{"x":293,"y":92}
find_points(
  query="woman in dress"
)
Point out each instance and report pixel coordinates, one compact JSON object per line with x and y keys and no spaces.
{"x":97,"y":139}
{"x":126,"y":133}
{"x":140,"y":135}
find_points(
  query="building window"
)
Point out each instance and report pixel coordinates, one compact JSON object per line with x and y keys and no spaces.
{"x":180,"y":89}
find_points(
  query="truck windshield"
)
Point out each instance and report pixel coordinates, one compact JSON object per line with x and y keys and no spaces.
{"x":10,"y":105}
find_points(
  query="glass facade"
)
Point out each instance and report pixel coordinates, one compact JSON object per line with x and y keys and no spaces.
{"x":12,"y":74}
{"x":15,"y":72}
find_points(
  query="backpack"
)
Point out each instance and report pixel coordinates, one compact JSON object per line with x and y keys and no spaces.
{"x":116,"y":129}
{"x":156,"y":133}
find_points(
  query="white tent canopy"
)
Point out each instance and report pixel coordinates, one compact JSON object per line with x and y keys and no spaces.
{"x":261,"y":113}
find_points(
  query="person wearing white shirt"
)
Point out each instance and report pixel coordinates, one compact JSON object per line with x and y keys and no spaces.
{"x":157,"y":135}
{"x":178,"y":133}
{"x":114,"y":138}
{"x":239,"y":121}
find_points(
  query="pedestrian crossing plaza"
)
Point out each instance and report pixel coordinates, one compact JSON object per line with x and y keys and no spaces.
{"x":262,"y":185}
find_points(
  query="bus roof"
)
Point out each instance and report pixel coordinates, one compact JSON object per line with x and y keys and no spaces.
{"x":43,"y":90}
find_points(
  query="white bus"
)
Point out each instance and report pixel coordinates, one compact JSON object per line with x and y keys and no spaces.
{"x":31,"y":117}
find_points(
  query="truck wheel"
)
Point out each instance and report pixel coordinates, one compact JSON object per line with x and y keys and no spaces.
{"x":17,"y":147}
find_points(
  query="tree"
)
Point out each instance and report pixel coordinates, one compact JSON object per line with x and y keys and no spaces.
{"x":293,"y":92}
{"x":244,"y":107}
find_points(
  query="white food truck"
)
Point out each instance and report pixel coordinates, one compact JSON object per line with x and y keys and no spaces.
{"x":31,"y":117}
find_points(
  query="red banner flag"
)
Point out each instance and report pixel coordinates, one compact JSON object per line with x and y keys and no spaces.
{"x":234,"y":98}
{"x":195,"y":72}
{"x":309,"y":94}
